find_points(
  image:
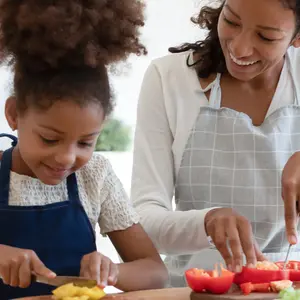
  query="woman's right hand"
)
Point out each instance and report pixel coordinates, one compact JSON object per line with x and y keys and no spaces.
{"x":17,"y":266}
{"x":227,"y":228}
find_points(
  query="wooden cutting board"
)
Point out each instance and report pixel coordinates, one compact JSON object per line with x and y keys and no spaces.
{"x":235,"y":296}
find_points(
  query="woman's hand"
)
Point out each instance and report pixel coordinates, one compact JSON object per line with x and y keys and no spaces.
{"x":228,"y":229}
{"x":18,"y":265}
{"x":100,"y":268}
{"x":291,"y":195}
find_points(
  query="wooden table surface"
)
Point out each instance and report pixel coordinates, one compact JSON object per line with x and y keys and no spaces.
{"x":163,"y":294}
{"x":174,"y":294}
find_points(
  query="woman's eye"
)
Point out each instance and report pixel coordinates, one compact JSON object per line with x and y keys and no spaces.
{"x":230,"y":22}
{"x":265,"y":39}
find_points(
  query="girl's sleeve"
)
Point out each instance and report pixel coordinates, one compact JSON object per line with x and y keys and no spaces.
{"x":116,"y":212}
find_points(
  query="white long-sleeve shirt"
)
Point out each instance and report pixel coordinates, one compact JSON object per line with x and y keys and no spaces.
{"x":169,"y":103}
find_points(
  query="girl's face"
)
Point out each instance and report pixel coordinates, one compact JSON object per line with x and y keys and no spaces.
{"x":56,"y":142}
{"x":255,"y":36}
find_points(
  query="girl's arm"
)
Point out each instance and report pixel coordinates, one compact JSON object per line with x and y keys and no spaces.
{"x":142,"y":267}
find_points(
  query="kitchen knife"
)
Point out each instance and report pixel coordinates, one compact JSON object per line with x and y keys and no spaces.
{"x":61,"y":280}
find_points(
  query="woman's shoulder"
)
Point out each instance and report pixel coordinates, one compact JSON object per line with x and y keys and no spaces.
{"x":172,"y":62}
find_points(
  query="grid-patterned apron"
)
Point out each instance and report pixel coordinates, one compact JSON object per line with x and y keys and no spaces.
{"x":229,"y":162}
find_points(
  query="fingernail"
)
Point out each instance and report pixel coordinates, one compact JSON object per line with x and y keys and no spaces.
{"x":251,"y":266}
{"x":238,"y":269}
{"x":229,"y":267}
{"x":52,"y":274}
{"x":103,"y":283}
{"x":293,"y":239}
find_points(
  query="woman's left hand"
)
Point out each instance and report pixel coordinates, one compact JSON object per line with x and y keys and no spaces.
{"x":291,"y":196}
{"x":100,"y":268}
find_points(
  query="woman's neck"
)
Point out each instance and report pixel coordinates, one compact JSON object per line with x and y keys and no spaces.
{"x":266,"y":81}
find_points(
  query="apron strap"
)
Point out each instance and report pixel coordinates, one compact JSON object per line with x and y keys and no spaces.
{"x":5,"y":176}
{"x":72,"y":187}
{"x":293,"y":75}
{"x":5,"y":167}
{"x":12,"y":137}
{"x":215,"y":94}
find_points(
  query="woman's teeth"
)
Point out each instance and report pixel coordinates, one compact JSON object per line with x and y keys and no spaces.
{"x":242,"y":63}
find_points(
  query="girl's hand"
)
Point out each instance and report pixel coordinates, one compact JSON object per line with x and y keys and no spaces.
{"x":100,"y":268}
{"x":17,"y":266}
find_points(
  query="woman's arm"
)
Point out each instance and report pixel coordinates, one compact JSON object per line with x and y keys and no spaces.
{"x":142,"y":267}
{"x":153,"y":177}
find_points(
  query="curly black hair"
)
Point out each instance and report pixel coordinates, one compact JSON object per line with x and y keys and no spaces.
{"x":209,"y":53}
{"x":62,"y":48}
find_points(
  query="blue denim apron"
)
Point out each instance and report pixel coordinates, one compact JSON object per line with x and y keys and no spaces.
{"x":60,"y":233}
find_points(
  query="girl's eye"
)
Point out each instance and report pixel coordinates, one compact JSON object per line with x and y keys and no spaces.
{"x":85,"y":144}
{"x":265,"y":39}
{"x":48,"y":142}
{"x":230,"y":22}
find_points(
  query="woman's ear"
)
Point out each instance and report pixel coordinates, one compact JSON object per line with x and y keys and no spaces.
{"x":11,"y":113}
{"x":296,"y":41}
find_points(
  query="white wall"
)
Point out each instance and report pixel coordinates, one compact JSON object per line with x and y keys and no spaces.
{"x":167,"y":24}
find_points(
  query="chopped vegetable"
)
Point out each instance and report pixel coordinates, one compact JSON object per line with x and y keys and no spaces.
{"x":211,"y":281}
{"x":293,"y":267}
{"x":260,"y":276}
{"x":274,"y":286}
{"x":249,"y":287}
{"x":265,"y":271}
{"x":278,"y":286}
{"x":71,"y":292}
{"x":290,"y":294}
{"x":266,"y":265}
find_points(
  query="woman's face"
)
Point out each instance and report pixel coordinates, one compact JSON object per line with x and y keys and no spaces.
{"x":255,"y":36}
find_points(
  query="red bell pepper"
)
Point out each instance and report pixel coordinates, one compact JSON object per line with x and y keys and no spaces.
{"x":259,"y":276}
{"x":249,"y":287}
{"x":293,"y":267}
{"x":210,"y":281}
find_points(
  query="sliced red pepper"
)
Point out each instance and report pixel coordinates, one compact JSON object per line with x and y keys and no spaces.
{"x":259,"y":276}
{"x":211,"y":281}
{"x":249,"y":287}
{"x":246,"y":288}
{"x":277,"y":286}
{"x":293,"y":267}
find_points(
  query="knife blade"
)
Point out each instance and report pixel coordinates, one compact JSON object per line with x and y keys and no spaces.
{"x":290,"y":246}
{"x":61,"y":280}
{"x":287,"y":256}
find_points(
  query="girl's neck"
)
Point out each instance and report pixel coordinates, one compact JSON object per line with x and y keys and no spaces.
{"x":18,"y":165}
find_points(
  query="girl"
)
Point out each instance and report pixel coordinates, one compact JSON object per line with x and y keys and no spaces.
{"x":53,"y":189}
{"x":217,"y":123}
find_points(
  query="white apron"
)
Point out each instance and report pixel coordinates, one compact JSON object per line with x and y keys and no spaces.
{"x":229,"y":162}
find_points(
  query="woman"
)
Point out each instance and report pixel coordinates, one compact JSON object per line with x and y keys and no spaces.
{"x":217,"y":122}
